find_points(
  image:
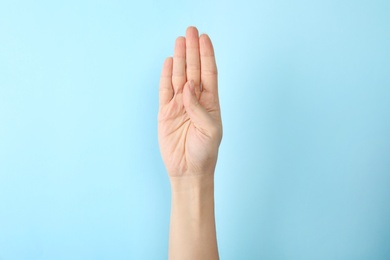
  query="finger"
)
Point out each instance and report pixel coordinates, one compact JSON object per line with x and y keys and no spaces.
{"x":197,"y":113}
{"x":179,"y":65}
{"x":209,"y":73}
{"x":166,"y":90}
{"x":192,"y":56}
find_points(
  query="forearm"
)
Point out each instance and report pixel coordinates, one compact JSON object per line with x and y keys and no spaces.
{"x":192,"y":231}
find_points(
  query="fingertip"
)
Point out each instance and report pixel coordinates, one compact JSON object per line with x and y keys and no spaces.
{"x":180,"y":39}
{"x":189,"y":90}
{"x":192,"y":30}
{"x":192,"y":37}
{"x":180,"y":47}
{"x":167,"y":67}
{"x":204,"y":36}
{"x":180,"y":42}
{"x":186,"y":94}
{"x":189,"y":99}
{"x":206,"y":46}
{"x":192,"y":87}
{"x":168,"y":61}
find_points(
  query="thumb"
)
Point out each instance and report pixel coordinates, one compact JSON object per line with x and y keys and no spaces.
{"x":197,"y":113}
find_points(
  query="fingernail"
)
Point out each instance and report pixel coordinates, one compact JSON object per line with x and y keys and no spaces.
{"x":192,"y":87}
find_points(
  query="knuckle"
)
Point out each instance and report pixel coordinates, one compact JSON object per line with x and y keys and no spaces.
{"x":210,"y":72}
{"x":195,"y":66}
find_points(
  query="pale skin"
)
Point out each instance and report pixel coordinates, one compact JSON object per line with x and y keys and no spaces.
{"x":190,"y":132}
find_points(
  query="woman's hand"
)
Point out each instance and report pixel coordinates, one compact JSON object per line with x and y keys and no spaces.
{"x":189,"y":118}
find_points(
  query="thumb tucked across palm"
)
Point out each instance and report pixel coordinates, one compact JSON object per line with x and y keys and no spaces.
{"x":198,"y":115}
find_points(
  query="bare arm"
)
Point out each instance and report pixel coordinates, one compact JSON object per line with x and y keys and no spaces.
{"x":192,"y":233}
{"x":190,"y":131}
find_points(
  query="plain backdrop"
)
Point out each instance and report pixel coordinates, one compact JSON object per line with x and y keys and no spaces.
{"x":304,"y":165}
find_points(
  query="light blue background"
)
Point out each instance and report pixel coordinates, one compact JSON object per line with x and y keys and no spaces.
{"x":304,"y":166}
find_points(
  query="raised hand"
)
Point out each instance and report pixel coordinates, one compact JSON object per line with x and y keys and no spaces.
{"x":189,"y":118}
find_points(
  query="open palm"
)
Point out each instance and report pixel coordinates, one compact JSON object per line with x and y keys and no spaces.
{"x":189,"y":119}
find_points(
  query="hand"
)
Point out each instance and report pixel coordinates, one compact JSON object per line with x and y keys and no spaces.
{"x":189,"y":118}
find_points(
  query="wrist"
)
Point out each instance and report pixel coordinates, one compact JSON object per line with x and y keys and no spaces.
{"x":193,"y":196}
{"x":191,"y":183}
